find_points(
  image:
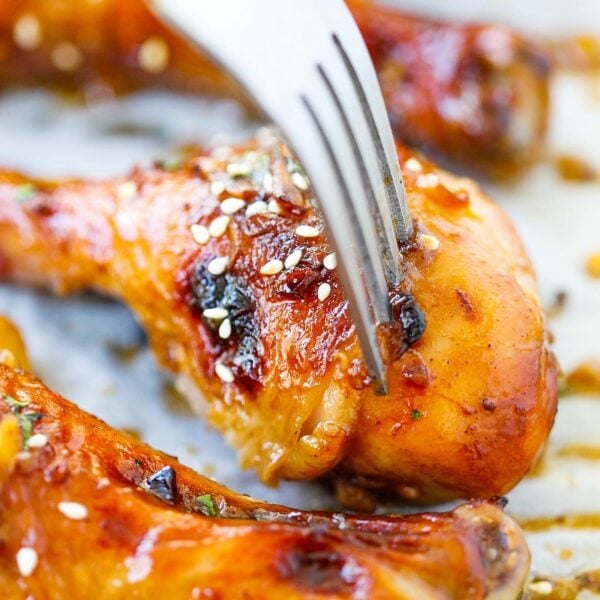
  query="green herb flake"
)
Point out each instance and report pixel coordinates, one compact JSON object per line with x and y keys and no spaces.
{"x":415,"y":414}
{"x":207,"y":505}
{"x":169,"y":164}
{"x":25,"y":192}
{"x":16,"y":406}
{"x":563,"y":389}
{"x":26,"y":421}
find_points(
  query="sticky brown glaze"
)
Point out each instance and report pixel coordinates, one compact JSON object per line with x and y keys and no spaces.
{"x":472,"y":94}
{"x":144,"y":526}
{"x":470,"y":404}
{"x":477,"y":94}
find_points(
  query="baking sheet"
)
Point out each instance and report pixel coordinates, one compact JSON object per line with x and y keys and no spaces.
{"x":72,"y":341}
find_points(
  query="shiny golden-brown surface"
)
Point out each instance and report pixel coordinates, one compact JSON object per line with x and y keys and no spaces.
{"x":472,"y":399}
{"x":89,"y":512}
{"x":475,"y":95}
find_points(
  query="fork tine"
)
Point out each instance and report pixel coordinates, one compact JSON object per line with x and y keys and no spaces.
{"x":332,"y":127}
{"x":383,"y":226}
{"x":355,"y":254}
{"x":360,"y":68}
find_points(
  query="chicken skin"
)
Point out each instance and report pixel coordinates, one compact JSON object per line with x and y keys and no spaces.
{"x":475,"y":95}
{"x":88,"y":512}
{"x":224,"y":262}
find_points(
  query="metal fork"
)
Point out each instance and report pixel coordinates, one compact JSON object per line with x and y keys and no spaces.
{"x":306,"y":66}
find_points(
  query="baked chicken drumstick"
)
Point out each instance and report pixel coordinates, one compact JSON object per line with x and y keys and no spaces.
{"x":224,"y":262}
{"x":472,"y":94}
{"x":88,"y":512}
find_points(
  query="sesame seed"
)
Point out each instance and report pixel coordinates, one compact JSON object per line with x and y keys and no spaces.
{"x":230,"y":206}
{"x":153,"y":55}
{"x":330,"y":261}
{"x":257,"y":208}
{"x":544,"y":588}
{"x":27,"y":33}
{"x":224,"y":373}
{"x":412,"y":164}
{"x":217,"y":188}
{"x":225,"y":329}
{"x":200,"y":234}
{"x":274,"y":207}
{"x":239,"y":169}
{"x":37,"y":440}
{"x":323,"y":292}
{"x":218,"y":313}
{"x":218,"y":266}
{"x":300,"y":181}
{"x":221,"y":152}
{"x":266,"y":135}
{"x":127,"y":190}
{"x":293,"y":259}
{"x":307,"y":231}
{"x":429,"y":180}
{"x":272,"y":267}
{"x":8,"y":358}
{"x":73,"y":510}
{"x":66,"y":57}
{"x":268,"y":183}
{"x":27,"y":561}
{"x":428,"y":241}
{"x":219,"y":226}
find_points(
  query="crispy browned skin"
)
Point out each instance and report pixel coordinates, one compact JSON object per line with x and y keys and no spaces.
{"x":143,"y":538}
{"x":471,"y":402}
{"x":472,"y":94}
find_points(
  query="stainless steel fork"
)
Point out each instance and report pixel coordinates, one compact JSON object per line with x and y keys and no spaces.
{"x":306,"y":66}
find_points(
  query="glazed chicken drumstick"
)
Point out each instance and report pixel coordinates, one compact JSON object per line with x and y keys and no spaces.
{"x":472,"y":94}
{"x":88,"y":512}
{"x":224,"y":262}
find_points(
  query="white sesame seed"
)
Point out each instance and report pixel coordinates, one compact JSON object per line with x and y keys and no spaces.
{"x":429,"y":180}
{"x":268,"y":183}
{"x":257,"y":208}
{"x":66,"y":57}
{"x":224,"y":373}
{"x":272,"y":267}
{"x":240,"y":169}
{"x":274,"y":207}
{"x":230,"y":206}
{"x":221,"y":152}
{"x":219,"y":226}
{"x":73,"y":510}
{"x":23,"y":455}
{"x":428,"y":241}
{"x":544,"y":588}
{"x":307,"y":231}
{"x":153,"y":55}
{"x":200,"y":234}
{"x":330,"y":261}
{"x":225,"y":329}
{"x":27,"y":32}
{"x":323,"y":292}
{"x":217,"y":188}
{"x":266,"y":135}
{"x":27,"y":561}
{"x":127,"y":190}
{"x":300,"y":181}
{"x":218,"y":266}
{"x":218,"y":313}
{"x":412,"y":164}
{"x":293,"y":259}
{"x":37,"y":440}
